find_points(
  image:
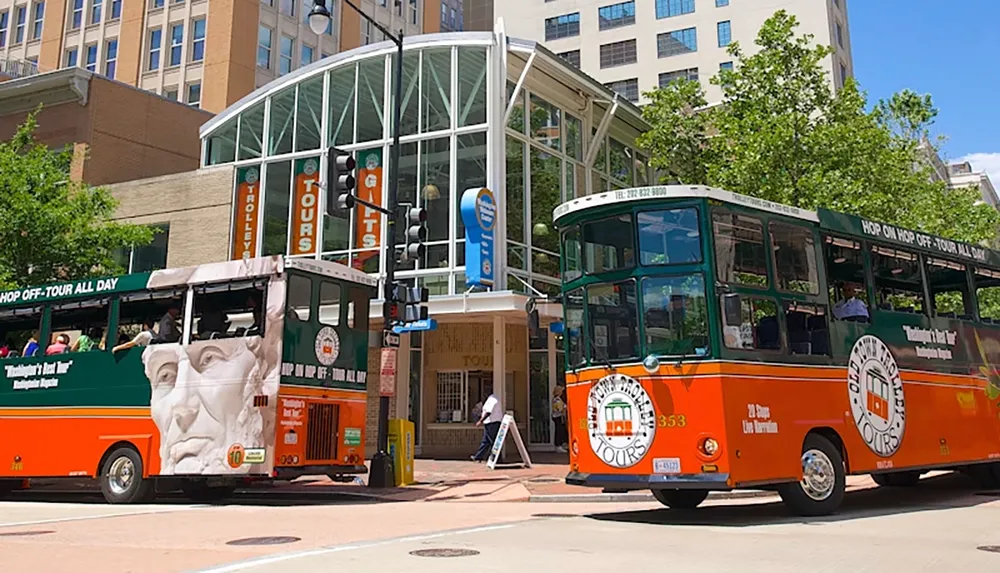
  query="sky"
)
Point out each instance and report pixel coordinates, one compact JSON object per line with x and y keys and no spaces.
{"x":947,"y":49}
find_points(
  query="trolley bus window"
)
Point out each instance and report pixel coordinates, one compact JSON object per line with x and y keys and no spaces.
{"x":83,"y":323}
{"x":739,"y":249}
{"x":750,"y":323}
{"x":136,"y":308}
{"x":948,"y":284}
{"x":329,"y":303}
{"x":299,"y":298}
{"x":845,"y":267}
{"x":571,"y":254}
{"x":18,"y":326}
{"x":794,"y":251}
{"x":988,"y":295}
{"x":608,"y":244}
{"x":898,"y":284}
{"x":675,"y":318}
{"x":228,"y":310}
{"x":357,"y":308}
{"x":574,"y":326}
{"x":669,"y":237}
{"x":808,"y":332}
{"x":613,"y":316}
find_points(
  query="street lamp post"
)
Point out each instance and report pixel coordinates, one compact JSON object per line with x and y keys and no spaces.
{"x":380,"y":474}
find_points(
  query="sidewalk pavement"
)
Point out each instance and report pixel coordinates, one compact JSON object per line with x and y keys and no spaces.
{"x":458,"y":481}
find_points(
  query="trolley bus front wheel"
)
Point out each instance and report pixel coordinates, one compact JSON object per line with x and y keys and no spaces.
{"x":680,"y":498}
{"x":821,"y":489}
{"x":121,"y":478}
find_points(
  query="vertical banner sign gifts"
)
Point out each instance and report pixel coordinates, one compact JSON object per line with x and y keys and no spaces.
{"x":369,"y":226}
{"x":305,"y":207}
{"x":479,"y":213}
{"x":247,"y":215}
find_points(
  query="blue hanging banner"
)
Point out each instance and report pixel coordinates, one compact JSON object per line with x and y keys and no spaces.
{"x":479,"y":213}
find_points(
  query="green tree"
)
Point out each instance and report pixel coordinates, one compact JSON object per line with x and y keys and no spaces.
{"x":52,"y":228}
{"x":783,"y":135}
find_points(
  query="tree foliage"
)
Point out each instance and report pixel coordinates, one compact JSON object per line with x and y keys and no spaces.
{"x":52,"y":228}
{"x":783,"y":135}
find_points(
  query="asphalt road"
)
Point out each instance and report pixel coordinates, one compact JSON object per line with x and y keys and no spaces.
{"x":940,"y":526}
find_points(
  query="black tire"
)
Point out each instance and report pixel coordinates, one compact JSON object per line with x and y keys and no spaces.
{"x":986,"y":475}
{"x":202,"y":493}
{"x":823,"y":493}
{"x":680,"y":498}
{"x":121,"y":478}
{"x":898,"y":479}
{"x":7,"y":486}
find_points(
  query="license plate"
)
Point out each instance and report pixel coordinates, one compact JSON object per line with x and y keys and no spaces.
{"x":667,"y":465}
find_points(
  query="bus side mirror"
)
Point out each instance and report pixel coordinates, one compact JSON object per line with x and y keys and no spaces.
{"x":732,"y":308}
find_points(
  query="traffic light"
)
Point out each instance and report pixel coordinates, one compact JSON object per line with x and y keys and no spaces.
{"x":406,"y":304}
{"x":392,"y":311}
{"x":340,"y":181}
{"x":416,"y":233}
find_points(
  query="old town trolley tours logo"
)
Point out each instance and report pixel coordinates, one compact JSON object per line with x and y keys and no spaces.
{"x":621,"y":420}
{"x":876,"y":393}
{"x":327,"y":346}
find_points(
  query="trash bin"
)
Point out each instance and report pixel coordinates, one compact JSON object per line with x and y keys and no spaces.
{"x":401,"y":450}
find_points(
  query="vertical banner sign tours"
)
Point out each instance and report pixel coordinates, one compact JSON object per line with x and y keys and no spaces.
{"x":305,"y":209}
{"x":247,"y":215}
{"x":479,"y":213}
{"x":369,"y":224}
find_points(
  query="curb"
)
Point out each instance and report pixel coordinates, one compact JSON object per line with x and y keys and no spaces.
{"x":638,"y":497}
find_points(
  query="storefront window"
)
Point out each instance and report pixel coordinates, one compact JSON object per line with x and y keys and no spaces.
{"x":411,"y":94}
{"x":515,"y":190}
{"x":546,"y":194}
{"x":222,"y":145}
{"x":251,"y":132}
{"x":276,"y":203}
{"x":621,"y":162}
{"x":281,"y":125}
{"x":472,"y":68}
{"x":371,"y":84}
{"x":435,"y":180}
{"x":342,"y":90}
{"x":516,"y":121}
{"x":574,"y":137}
{"x":471,"y":174}
{"x":436,"y":90}
{"x":538,"y":392}
{"x":545,"y":123}
{"x":310,"y":114}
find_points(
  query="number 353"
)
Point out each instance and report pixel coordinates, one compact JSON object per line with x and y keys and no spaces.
{"x":671,"y":421}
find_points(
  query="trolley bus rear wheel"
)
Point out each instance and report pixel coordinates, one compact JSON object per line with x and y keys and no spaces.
{"x":680,"y":498}
{"x":898,"y":479}
{"x":121,"y":478}
{"x":821,"y":489}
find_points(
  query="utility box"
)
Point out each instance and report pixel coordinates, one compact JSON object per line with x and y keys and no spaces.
{"x":401,"y":436}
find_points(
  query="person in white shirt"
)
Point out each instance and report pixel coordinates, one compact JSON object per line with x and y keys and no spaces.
{"x":142,"y":339}
{"x":490,"y":420}
{"x":850,"y":306}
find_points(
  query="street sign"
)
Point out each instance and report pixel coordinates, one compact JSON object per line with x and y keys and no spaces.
{"x":390,"y":339}
{"x":387,"y":373}
{"x":416,"y":326}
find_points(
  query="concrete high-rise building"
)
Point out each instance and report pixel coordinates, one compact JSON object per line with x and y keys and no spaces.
{"x":208,"y":53}
{"x":634,"y":47}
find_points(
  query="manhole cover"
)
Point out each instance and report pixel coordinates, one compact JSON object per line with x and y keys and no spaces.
{"x":24,"y":533}
{"x":989,"y":548}
{"x":560,"y":515}
{"x":444,"y":552}
{"x":264,"y":541}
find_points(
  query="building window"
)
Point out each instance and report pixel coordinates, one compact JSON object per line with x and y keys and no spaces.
{"x":565,"y":26}
{"x":453,"y":25}
{"x":157,"y":3}
{"x":843,"y":74}
{"x":95,"y":11}
{"x":77,"y":20}
{"x":413,"y":11}
{"x":688,"y":74}
{"x":840,"y":35}
{"x":572,"y":57}
{"x":671,"y":8}
{"x":176,"y":43}
{"x":677,"y":42}
{"x":170,"y":93}
{"x":110,"y":57}
{"x":72,"y":56}
{"x":285,"y":55}
{"x":725,"y":34}
{"x":444,"y":13}
{"x":618,"y":54}
{"x":721,"y":3}
{"x":155,"y":39}
{"x":194,"y":95}
{"x":39,"y":17}
{"x":616,"y":15}
{"x":264,"y":48}
{"x":22,"y":14}
{"x":366,"y":32}
{"x":628,"y":89}
{"x":4,"y":17}
{"x":116,"y":9}
{"x":726,"y":66}
{"x":308,"y":53}
{"x":287,"y":7}
{"x":198,"y":44}
{"x":151,"y":257}
{"x":92,"y":58}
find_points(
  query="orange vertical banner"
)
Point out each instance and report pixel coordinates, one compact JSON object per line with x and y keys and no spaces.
{"x":305,"y":208}
{"x":369,"y":224}
{"x":247,"y":215}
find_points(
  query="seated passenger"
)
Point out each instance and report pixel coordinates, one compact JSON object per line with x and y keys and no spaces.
{"x":213,"y":324}
{"x":169,"y":331}
{"x":31,"y":347}
{"x":89,"y":340}
{"x":850,"y":306}
{"x":144,"y":338}
{"x":60,"y":346}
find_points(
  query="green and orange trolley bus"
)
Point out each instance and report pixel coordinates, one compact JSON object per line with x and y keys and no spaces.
{"x":717,"y":341}
{"x":256,"y":371}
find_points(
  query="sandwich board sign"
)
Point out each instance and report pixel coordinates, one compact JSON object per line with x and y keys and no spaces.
{"x":508,"y":426}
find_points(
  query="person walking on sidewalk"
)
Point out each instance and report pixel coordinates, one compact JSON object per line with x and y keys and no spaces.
{"x":491,"y":417}
{"x":559,"y":419}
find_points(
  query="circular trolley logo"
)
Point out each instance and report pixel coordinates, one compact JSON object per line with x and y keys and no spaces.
{"x":621,"y":420}
{"x":310,"y":167}
{"x":327,"y":346}
{"x":252,"y":176}
{"x":876,"y":394}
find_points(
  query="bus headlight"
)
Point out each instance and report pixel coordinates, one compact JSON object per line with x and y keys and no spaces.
{"x":710,"y":446}
{"x":651,"y":364}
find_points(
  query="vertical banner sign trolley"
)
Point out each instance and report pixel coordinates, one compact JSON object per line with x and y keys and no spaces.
{"x":508,"y":426}
{"x":479,"y":213}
